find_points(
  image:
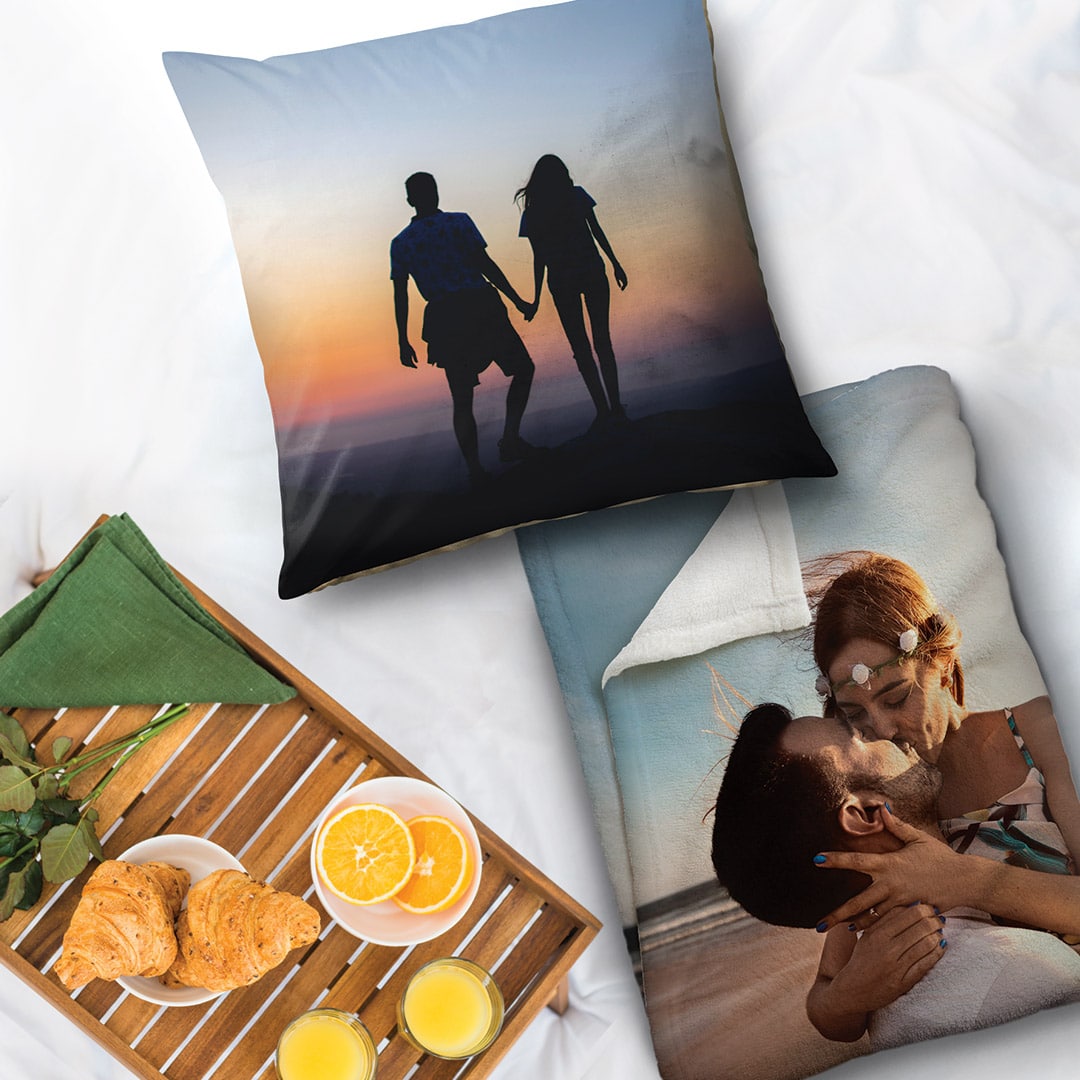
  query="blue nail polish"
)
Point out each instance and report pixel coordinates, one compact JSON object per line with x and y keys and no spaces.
{"x":852,"y":926}
{"x":943,"y":919}
{"x":819,"y":859}
{"x":943,"y":943}
{"x":822,"y":927}
{"x":888,"y":807}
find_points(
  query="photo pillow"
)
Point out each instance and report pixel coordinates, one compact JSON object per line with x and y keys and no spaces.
{"x":497,"y":273}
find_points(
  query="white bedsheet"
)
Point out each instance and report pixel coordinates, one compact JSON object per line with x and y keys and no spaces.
{"x":912,"y":171}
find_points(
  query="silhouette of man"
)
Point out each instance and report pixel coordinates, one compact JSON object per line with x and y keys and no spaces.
{"x":465,"y":322}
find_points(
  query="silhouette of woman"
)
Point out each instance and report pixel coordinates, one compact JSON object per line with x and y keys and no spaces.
{"x":559,"y":221}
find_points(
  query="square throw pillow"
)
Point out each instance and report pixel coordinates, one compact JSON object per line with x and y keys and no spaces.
{"x":729,"y":615}
{"x":497,"y":273}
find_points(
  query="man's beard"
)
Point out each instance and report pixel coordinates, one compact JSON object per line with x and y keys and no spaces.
{"x":912,"y":795}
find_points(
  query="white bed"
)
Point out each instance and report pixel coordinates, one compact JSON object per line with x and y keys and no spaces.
{"x":912,"y":171}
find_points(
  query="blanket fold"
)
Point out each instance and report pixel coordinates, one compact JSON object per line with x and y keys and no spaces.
{"x":742,"y":580}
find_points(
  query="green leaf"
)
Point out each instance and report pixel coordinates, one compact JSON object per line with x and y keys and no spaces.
{"x":16,"y":789}
{"x":12,"y":731}
{"x":61,"y":745}
{"x":62,"y":810}
{"x":19,"y":886}
{"x":10,"y":842}
{"x":64,"y":852}
{"x":32,"y":883}
{"x":10,"y":752}
{"x":13,"y":893}
{"x":47,"y":787}
{"x":31,"y":822}
{"x":92,"y":841}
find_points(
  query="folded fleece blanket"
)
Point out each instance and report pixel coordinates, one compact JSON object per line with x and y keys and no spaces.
{"x":665,"y":619}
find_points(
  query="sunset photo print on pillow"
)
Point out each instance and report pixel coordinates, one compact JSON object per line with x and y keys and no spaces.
{"x":496,"y":273}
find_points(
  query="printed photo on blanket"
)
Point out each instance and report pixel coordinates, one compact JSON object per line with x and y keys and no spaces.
{"x":826,"y":737}
{"x":879,"y":818}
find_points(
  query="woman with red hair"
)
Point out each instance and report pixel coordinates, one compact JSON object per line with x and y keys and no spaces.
{"x":889,"y":662}
{"x":889,"y":667}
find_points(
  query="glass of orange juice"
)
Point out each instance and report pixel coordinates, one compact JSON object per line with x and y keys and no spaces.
{"x":326,"y":1044}
{"x":451,"y":1008}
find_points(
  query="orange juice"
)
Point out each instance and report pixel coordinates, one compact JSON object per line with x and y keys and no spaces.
{"x":325,"y":1044}
{"x":451,"y":1008}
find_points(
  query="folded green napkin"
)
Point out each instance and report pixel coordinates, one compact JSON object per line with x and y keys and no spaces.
{"x":113,"y":625}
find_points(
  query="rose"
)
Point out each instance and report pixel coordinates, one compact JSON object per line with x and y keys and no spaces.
{"x":45,"y":835}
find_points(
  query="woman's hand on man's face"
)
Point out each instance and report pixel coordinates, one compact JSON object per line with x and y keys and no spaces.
{"x":922,"y":871}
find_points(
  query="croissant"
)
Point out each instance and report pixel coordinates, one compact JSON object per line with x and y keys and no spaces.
{"x":123,"y":923}
{"x":235,"y":929}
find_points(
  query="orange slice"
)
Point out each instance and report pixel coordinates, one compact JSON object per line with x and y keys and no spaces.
{"x":443,"y":866}
{"x":365,"y":854}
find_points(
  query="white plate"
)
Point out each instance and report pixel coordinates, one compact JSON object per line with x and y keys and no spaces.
{"x":198,"y":857}
{"x":385,"y":923}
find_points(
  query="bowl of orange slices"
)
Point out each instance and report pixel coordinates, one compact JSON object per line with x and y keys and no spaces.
{"x":395,"y":860}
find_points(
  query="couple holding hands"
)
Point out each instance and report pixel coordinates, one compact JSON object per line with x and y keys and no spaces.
{"x":934,"y":847}
{"x":465,"y":323}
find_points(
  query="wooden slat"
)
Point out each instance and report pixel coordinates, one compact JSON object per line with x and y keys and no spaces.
{"x":98,"y":996}
{"x":226,"y":781}
{"x":273,"y":785}
{"x":131,"y":1017}
{"x":171,"y":1029}
{"x":76,"y":724}
{"x":122,"y":722}
{"x":504,"y":925}
{"x":20,"y":920}
{"x":155,"y":809}
{"x":329,"y":777}
{"x":532,"y":954}
{"x":139,"y":769}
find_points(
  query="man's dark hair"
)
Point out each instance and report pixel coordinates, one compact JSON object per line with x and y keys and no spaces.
{"x":421,"y":187}
{"x":774,"y":813}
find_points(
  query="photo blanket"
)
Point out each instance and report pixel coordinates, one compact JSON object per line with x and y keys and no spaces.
{"x":666,"y":620}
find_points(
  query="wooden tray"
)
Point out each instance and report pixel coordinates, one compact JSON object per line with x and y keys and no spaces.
{"x":254,"y":779}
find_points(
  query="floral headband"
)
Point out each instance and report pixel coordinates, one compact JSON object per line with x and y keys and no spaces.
{"x":861,"y":674}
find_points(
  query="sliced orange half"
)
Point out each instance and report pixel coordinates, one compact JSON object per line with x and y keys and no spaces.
{"x":365,"y":854}
{"x":443,"y":867}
